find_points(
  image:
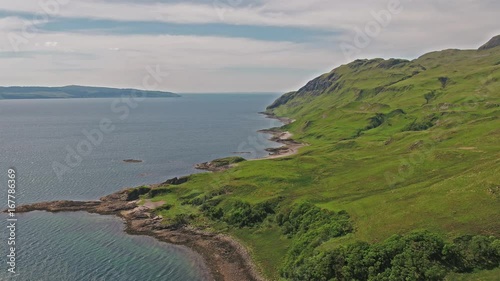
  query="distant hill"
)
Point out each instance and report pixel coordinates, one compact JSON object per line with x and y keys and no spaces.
{"x":68,"y":92}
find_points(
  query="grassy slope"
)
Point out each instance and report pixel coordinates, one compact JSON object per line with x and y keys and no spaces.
{"x":390,"y":180}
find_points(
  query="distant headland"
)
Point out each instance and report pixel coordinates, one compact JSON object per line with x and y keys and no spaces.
{"x":68,"y":92}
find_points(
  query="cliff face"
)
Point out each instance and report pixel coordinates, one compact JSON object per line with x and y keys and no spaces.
{"x":494,"y":42}
{"x":345,"y":80}
{"x":445,"y":79}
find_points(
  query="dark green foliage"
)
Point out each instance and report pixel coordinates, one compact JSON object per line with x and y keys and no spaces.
{"x":380,"y":118}
{"x":159,"y":191}
{"x":396,"y":112}
{"x":419,"y":126}
{"x":179,"y":220}
{"x":134,"y":194}
{"x":422,"y":125}
{"x":418,"y":256}
{"x":474,"y":252}
{"x":306,"y":216}
{"x":199,"y":200}
{"x":309,"y":226}
{"x":376,"y":121}
{"x":164,"y":207}
{"x":208,"y":203}
{"x":444,"y":81}
{"x":429,"y":96}
{"x":243,"y":214}
{"x":210,"y":209}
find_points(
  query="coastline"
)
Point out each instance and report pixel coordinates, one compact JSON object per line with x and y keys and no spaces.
{"x":226,"y":258}
{"x":290,"y":146}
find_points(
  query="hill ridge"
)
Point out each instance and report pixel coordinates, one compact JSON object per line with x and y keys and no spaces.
{"x":75,"y":91}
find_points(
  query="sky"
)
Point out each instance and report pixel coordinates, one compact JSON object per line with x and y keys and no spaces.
{"x":223,"y":45}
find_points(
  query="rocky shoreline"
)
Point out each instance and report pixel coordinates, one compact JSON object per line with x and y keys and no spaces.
{"x":289,"y":147}
{"x":226,"y":259}
{"x":284,"y":120}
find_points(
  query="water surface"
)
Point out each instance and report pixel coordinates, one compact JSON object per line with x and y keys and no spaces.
{"x":168,"y":135}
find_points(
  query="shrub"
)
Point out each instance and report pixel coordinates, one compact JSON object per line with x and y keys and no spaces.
{"x":418,"y":256}
{"x":243,"y":214}
{"x":134,"y":194}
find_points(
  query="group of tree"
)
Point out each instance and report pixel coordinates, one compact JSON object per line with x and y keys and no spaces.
{"x":415,"y":256}
{"x":418,"y":256}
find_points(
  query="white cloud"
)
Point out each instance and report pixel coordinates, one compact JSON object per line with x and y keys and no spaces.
{"x":11,"y":23}
{"x":201,"y":63}
{"x":325,"y":14}
{"x":50,"y":44}
{"x":196,"y":63}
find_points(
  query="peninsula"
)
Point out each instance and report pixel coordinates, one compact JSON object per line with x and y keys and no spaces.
{"x":68,"y":92}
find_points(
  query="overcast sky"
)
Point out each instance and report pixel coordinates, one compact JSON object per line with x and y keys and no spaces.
{"x":223,"y":45}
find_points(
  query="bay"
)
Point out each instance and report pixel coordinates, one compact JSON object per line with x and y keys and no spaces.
{"x":168,"y":135}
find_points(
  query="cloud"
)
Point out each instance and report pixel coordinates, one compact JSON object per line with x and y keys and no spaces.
{"x":325,"y":14}
{"x":228,"y":61}
{"x":10,"y":23}
{"x":197,"y":63}
{"x":50,"y":44}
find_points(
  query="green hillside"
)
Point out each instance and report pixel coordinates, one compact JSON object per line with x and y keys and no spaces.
{"x":400,"y":180}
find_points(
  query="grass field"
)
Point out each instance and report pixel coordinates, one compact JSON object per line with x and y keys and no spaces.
{"x":400,"y":145}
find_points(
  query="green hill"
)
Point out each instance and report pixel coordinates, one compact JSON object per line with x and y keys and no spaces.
{"x":400,"y":180}
{"x":76,"y":92}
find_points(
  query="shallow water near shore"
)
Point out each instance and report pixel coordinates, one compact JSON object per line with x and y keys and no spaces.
{"x":168,"y":135}
{"x":82,"y":246}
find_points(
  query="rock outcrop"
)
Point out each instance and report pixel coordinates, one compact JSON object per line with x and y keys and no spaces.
{"x":220,"y":164}
{"x":494,"y":42}
{"x":176,"y":180}
{"x":226,"y":259}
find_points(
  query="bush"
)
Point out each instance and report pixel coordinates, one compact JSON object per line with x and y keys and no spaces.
{"x":164,"y":207}
{"x":422,"y":125}
{"x":243,"y":214}
{"x":309,"y":226}
{"x":133,"y":194}
{"x":159,"y":191}
{"x":418,"y":256}
{"x":468,"y":253}
{"x":376,"y":121}
{"x":179,"y":220}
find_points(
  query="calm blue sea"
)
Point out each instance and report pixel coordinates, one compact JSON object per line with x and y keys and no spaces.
{"x":168,"y":135}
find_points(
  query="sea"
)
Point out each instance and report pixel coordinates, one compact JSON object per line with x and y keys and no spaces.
{"x":74,"y":149}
